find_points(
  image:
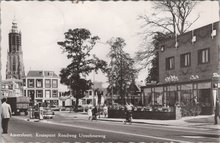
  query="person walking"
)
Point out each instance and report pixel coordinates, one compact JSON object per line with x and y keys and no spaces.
{"x":90,"y":113}
{"x":94,"y":113}
{"x":105,"y":109}
{"x":6,"y":115}
{"x":128,"y":113}
{"x":217,"y":110}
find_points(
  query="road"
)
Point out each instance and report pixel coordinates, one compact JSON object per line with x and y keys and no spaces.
{"x":70,"y":130}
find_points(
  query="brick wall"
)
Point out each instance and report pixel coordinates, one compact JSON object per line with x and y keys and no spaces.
{"x":185,"y":44}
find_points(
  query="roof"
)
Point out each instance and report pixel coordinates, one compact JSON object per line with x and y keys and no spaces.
{"x":41,"y":74}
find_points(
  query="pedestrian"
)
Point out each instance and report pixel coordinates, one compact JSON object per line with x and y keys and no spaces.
{"x":94,"y":113}
{"x":217,"y":110}
{"x":90,"y":113}
{"x":6,"y":115}
{"x":128,"y":113}
{"x":105,"y":110}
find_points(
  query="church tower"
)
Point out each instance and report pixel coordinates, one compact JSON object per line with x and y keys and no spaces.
{"x":15,"y":66}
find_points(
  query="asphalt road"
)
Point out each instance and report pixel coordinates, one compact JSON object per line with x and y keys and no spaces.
{"x":70,"y":130}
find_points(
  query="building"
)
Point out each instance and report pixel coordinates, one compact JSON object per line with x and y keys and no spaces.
{"x":188,"y":69}
{"x":134,"y":93}
{"x":11,"y":88}
{"x":91,"y":98}
{"x":15,"y":66}
{"x":42,"y":86}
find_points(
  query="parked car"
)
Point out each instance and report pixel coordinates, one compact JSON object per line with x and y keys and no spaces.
{"x":48,"y":114}
{"x":80,"y":108}
{"x":55,"y":108}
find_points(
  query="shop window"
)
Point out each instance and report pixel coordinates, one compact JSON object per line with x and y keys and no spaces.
{"x":55,"y":94}
{"x":204,"y":96}
{"x":203,"y":56}
{"x":171,"y":98}
{"x":185,"y":60}
{"x":31,"y":83}
{"x":47,"y":83}
{"x":170,"y":63}
{"x":54,"y":83}
{"x":39,"y":83}
{"x":39,"y":93}
{"x":186,"y":96}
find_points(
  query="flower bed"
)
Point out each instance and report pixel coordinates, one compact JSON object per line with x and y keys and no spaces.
{"x":142,"y":115}
{"x":162,"y":113}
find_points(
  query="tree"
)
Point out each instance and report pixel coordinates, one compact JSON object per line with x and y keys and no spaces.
{"x":154,"y":70}
{"x":121,"y":71}
{"x":99,"y":93}
{"x":169,"y":19}
{"x":77,"y":45}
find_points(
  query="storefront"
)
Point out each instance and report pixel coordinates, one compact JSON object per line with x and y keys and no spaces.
{"x":203,"y":93}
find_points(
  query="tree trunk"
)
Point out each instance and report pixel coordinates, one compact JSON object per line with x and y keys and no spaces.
{"x":76,"y":105}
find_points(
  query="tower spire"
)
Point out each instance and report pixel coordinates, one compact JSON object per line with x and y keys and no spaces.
{"x":14,"y":25}
{"x":15,"y":65}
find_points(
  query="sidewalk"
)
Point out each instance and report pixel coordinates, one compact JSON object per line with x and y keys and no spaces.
{"x":202,"y":121}
{"x":193,"y":122}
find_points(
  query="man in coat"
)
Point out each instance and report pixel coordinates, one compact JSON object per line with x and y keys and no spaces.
{"x":6,"y":115}
{"x":217,"y":110}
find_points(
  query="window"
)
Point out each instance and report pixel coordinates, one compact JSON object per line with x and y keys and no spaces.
{"x":54,"y":83}
{"x":55,"y":94}
{"x":39,"y":93}
{"x":31,"y":94}
{"x":185,"y":60}
{"x":47,"y":83}
{"x":90,"y":92}
{"x":39,"y":83}
{"x":31,"y":83}
{"x":24,"y":82}
{"x":47,"y":94}
{"x":203,"y":56}
{"x":170,"y":63}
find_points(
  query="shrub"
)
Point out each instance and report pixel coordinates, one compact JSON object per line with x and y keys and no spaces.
{"x":189,"y":108}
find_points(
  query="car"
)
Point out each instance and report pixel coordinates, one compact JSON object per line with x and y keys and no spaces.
{"x":55,"y":108}
{"x":48,"y":114}
{"x":80,"y":108}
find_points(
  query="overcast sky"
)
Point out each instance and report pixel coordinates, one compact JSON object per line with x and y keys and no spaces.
{"x":43,"y":24}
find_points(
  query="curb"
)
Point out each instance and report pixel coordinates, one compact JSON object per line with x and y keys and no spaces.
{"x":139,"y":122}
{"x":136,"y":122}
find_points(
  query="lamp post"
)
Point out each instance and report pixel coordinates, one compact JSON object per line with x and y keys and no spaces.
{"x":215,"y":78}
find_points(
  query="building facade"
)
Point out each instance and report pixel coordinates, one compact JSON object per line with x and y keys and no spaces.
{"x":15,"y":66}
{"x":188,"y":69}
{"x":11,"y":88}
{"x":42,"y":87}
{"x":91,"y":98}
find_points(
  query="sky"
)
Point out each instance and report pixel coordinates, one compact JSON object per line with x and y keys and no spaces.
{"x":43,"y":24}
